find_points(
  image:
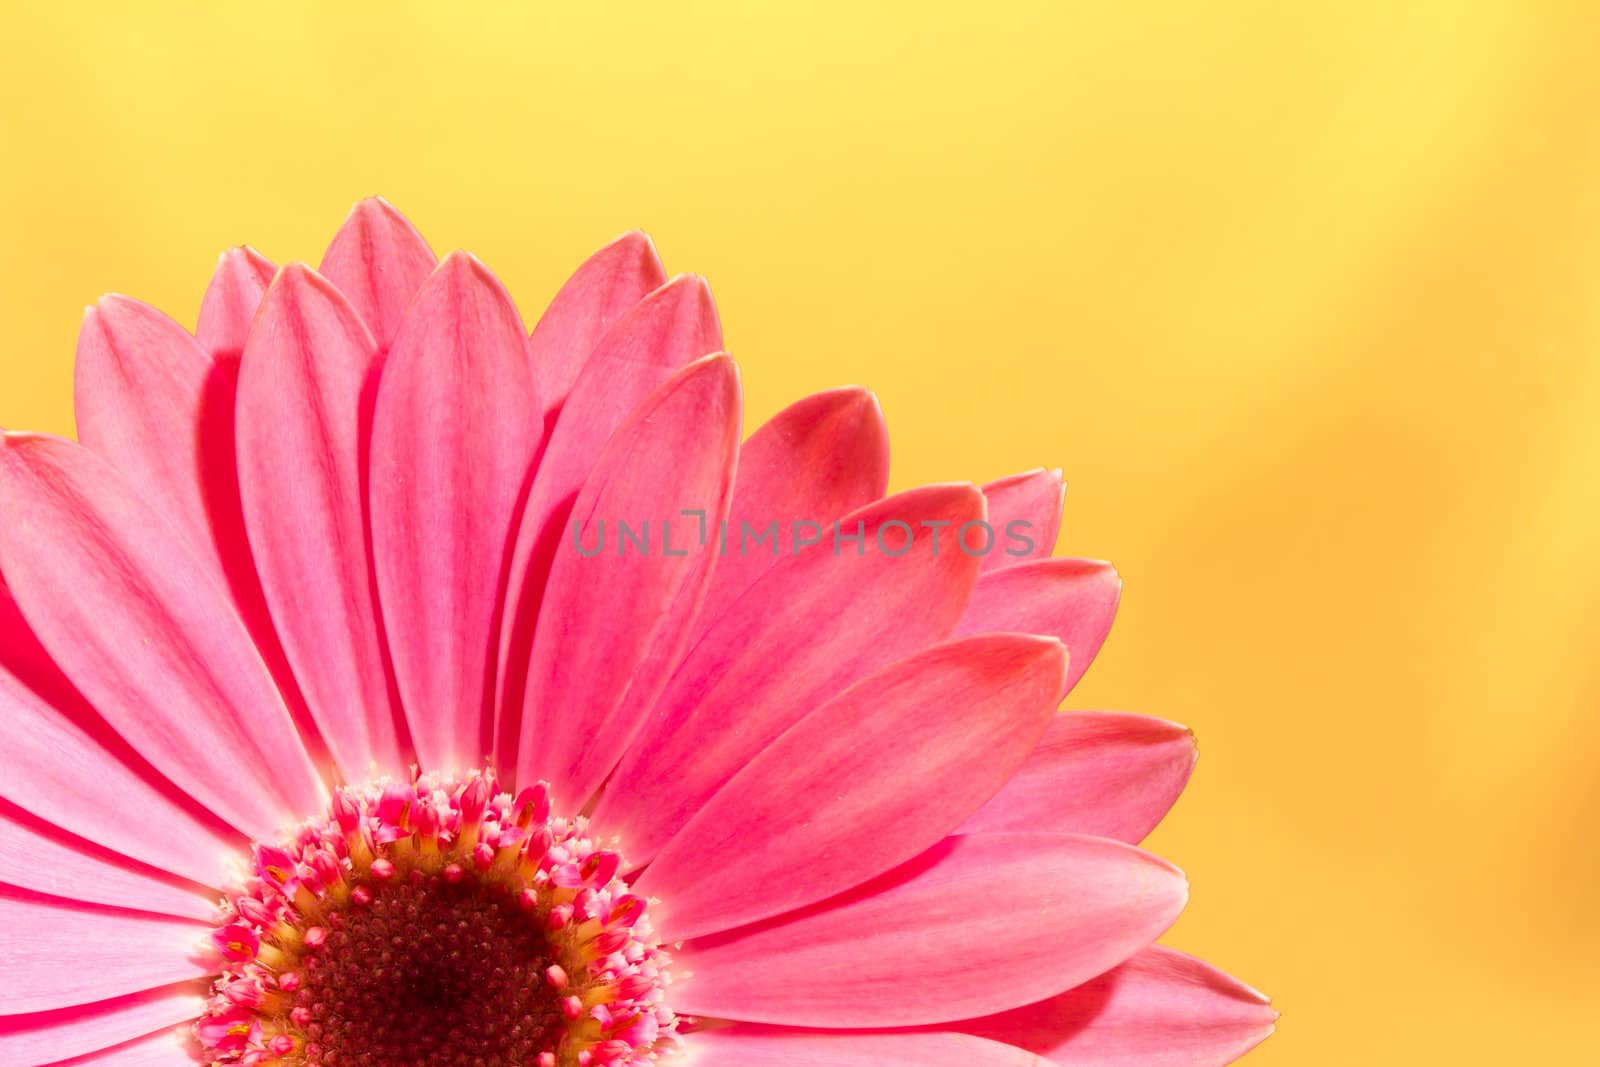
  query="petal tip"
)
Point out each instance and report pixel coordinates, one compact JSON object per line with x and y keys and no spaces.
{"x":721,"y":364}
{"x":637,"y":241}
{"x":865,"y":411}
{"x":294,"y":274}
{"x":112,"y":302}
{"x":1041,"y":646}
{"x":374,"y":214}
{"x":372,"y":206}
{"x":246,"y":253}
{"x":299,"y":282}
{"x":459,"y":264}
{"x":859,"y":402}
{"x":685,"y":285}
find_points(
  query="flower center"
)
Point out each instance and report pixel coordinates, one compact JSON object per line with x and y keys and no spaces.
{"x":437,"y":923}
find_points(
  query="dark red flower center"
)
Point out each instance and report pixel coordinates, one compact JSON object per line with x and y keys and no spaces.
{"x":431,"y":974}
{"x":437,"y":924}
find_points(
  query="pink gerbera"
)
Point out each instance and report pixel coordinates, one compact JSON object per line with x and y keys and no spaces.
{"x":384,"y":685}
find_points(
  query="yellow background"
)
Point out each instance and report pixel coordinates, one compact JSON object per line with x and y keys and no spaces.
{"x":1302,"y":296}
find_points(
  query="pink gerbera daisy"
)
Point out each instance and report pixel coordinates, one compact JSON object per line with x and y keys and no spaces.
{"x":384,"y":685}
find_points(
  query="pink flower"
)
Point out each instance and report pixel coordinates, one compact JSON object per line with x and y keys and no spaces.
{"x":384,"y":684}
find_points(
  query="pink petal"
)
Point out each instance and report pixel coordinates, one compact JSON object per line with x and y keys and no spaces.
{"x":303,"y":421}
{"x":48,"y":1036}
{"x":36,"y":856}
{"x":605,"y":287}
{"x":974,"y":926}
{"x":142,"y":387}
{"x":379,"y":261}
{"x":71,"y":770}
{"x":1159,"y":1009}
{"x":156,"y":406}
{"x":817,"y":459}
{"x":454,"y":435}
{"x":114,"y":593}
{"x":23,"y":658}
{"x":1071,"y":599}
{"x":803,"y":632}
{"x":760,"y":1046}
{"x":112,"y":952}
{"x":859,"y":786}
{"x":230,"y":303}
{"x":674,"y":325}
{"x":676,"y":452}
{"x":1095,"y":772}
{"x":1025,"y":512}
{"x":167,"y":1047}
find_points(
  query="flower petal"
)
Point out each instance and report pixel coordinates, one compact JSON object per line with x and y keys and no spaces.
{"x":114,"y":594}
{"x":167,"y":1047}
{"x":48,"y":1036}
{"x":304,"y":414}
{"x":23,"y":658}
{"x":974,"y":926}
{"x":67,"y":767}
{"x":231,"y":300}
{"x":39,"y":857}
{"x":141,"y":387}
{"x":1071,"y":599}
{"x":156,"y":406}
{"x":676,"y":452}
{"x":111,"y":952}
{"x":1095,"y":772}
{"x":762,"y":1046}
{"x":881,"y":772}
{"x":816,"y":460}
{"x":379,"y":261}
{"x":454,"y":435}
{"x":600,"y":292}
{"x":1025,"y":511}
{"x":803,"y":632}
{"x":1159,"y":1009}
{"x":668,"y":329}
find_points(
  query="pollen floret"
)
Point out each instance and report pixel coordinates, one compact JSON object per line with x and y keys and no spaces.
{"x":437,"y":922}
